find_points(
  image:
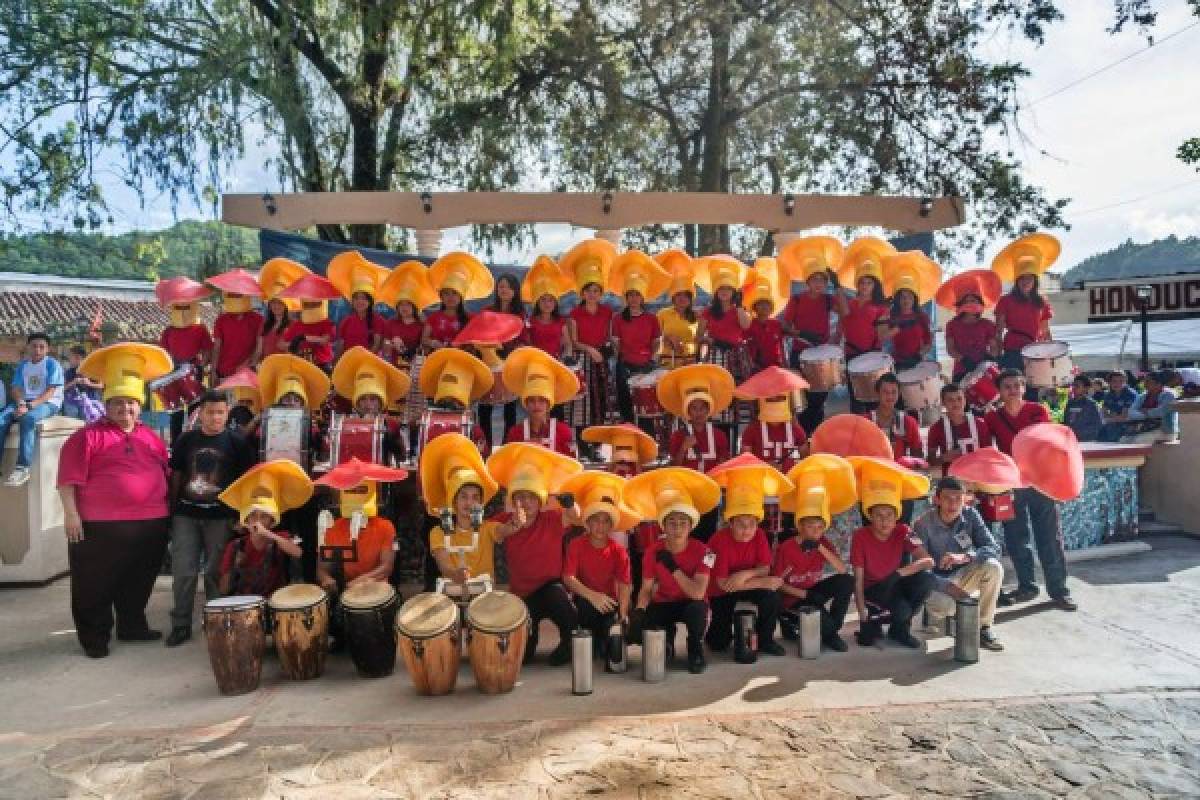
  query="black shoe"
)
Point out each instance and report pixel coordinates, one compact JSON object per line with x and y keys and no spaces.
{"x":988,"y":639}
{"x":835,"y":642}
{"x":336,"y":644}
{"x":717,"y":647}
{"x":560,"y":655}
{"x":1065,"y":603}
{"x":178,"y":636}
{"x":1024,"y":594}
{"x":772,"y":648}
{"x":96,"y":651}
{"x":789,"y":631}
{"x":866,"y":635}
{"x":904,"y":637}
{"x":696,"y":663}
{"x":147,"y":635}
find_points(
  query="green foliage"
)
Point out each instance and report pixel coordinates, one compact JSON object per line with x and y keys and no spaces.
{"x":1128,"y":260}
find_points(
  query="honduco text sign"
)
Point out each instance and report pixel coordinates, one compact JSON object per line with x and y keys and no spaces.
{"x":1174,"y":298}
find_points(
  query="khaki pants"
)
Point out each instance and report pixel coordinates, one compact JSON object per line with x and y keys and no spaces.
{"x":986,"y":577}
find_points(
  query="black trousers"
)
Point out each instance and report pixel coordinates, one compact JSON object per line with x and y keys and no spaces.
{"x":594,"y":621}
{"x":814,"y":411}
{"x":901,"y":595}
{"x":720,"y":630}
{"x":114,"y":568}
{"x":832,"y":596}
{"x":551,"y":601}
{"x":692,"y":613}
{"x":302,"y":522}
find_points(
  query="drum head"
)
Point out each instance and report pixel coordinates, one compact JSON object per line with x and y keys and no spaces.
{"x":426,"y":615}
{"x":496,"y":612}
{"x":235,"y":602}
{"x":1045,"y":350}
{"x":870,"y":362}
{"x":371,"y":594}
{"x":298,"y":595}
{"x":824,"y":352}
{"x":976,"y":374}
{"x":921,"y":372}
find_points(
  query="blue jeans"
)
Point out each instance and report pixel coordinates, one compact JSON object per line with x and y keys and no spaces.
{"x":28,"y":429}
{"x":1039,"y":513}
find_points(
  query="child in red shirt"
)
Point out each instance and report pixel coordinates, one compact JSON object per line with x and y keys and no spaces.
{"x":362,"y":327}
{"x":637,"y":336}
{"x":892,"y":573}
{"x":800,"y":562}
{"x":597,"y":572}
{"x":765,"y":337}
{"x":257,"y":561}
{"x":742,"y":573}
{"x":908,"y":330}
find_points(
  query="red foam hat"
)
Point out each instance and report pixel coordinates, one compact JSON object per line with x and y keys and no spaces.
{"x":913,"y":463}
{"x":983,"y":283}
{"x":988,"y":468}
{"x":1050,"y":460}
{"x":770,"y":382}
{"x":354,"y":472}
{"x":851,"y":435}
{"x":180,"y":290}
{"x":311,"y":287}
{"x":244,"y":378}
{"x":236,"y":281}
{"x":490,"y":328}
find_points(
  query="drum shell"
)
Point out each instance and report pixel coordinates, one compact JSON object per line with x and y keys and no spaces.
{"x":285,"y":434}
{"x":432,"y":663}
{"x":236,"y":641}
{"x":301,"y":639}
{"x":435,"y":421}
{"x":371,"y":638}
{"x":862,"y":380}
{"x":1052,"y":370}
{"x":823,"y":371}
{"x":921,"y":387}
{"x":355,"y":437}
{"x":181,"y":392}
{"x":979,"y":385}
{"x":496,"y":656}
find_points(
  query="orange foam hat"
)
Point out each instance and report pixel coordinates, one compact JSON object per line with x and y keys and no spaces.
{"x":1050,"y":460}
{"x":624,"y":437}
{"x":848,"y":435}
{"x":810,"y":255}
{"x":770,"y":382}
{"x":982,"y":283}
{"x":354,"y":472}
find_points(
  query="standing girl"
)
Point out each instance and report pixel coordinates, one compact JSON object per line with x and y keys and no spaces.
{"x":457,"y":277}
{"x":863,"y":322}
{"x":637,"y":277}
{"x":679,"y":322}
{"x":587,"y":264}
{"x":1023,"y":315}
{"x":970,"y":339}
{"x":910,"y":278}
{"x":505,"y":301}
{"x":358,"y":280}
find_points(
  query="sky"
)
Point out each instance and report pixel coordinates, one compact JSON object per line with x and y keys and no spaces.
{"x":1108,"y":143}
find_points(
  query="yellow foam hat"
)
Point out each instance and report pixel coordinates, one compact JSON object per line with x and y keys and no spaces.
{"x":825,"y":485}
{"x":243,"y":385}
{"x":524,"y":467}
{"x":531,"y":372}
{"x":544,"y":278}
{"x":625,"y":437}
{"x":660,"y":492}
{"x":598,"y":492}
{"x":282,"y":373}
{"x":864,"y":256}
{"x":124,"y":368}
{"x":634,"y":271}
{"x":464,"y":273}
{"x":1029,"y":255}
{"x":273,"y":487}
{"x":766,"y":280}
{"x":809,"y":255}
{"x":277,"y":275}
{"x":748,"y":481}
{"x":448,"y":463}
{"x":912,"y":270}
{"x":707,"y":382}
{"x":350,"y":272}
{"x":588,"y":262}
{"x":721,"y":271}
{"x":360,"y":372}
{"x":685,"y":275}
{"x":452,"y":374}
{"x":408,"y":281}
{"x":886,"y":483}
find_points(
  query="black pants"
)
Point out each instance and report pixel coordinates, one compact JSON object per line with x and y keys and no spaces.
{"x":707,"y":526}
{"x":814,"y":411}
{"x":720,"y":630}
{"x":692,"y":613}
{"x":302,"y":522}
{"x":832,"y":596}
{"x":594,"y":621}
{"x":551,"y":601}
{"x":114,"y":568}
{"x":485,"y":421}
{"x":902,"y":596}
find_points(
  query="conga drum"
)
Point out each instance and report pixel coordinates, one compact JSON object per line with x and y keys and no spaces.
{"x":823,"y":367}
{"x":234,"y":628}
{"x":368,"y":618}
{"x":864,"y":370}
{"x":427,"y":637}
{"x":497,"y":631}
{"x":300,"y":620}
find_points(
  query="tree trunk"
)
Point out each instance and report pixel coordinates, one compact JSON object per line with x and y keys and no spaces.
{"x":715,"y":238}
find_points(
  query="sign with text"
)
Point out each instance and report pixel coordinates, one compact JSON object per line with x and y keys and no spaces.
{"x":1170,"y":298}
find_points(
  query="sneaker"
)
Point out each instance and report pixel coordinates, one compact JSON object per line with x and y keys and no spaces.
{"x":904,"y":637}
{"x":772,"y":648}
{"x":835,"y":642}
{"x":147,"y":635}
{"x":1065,"y":603}
{"x":988,"y":639}
{"x":18,"y":477}
{"x":696,"y":663}
{"x":866,"y":635}
{"x":560,"y":655}
{"x":97,"y":651}
{"x":178,"y":636}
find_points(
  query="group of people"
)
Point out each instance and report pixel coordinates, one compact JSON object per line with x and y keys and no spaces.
{"x":636,"y":538}
{"x":1113,"y":410}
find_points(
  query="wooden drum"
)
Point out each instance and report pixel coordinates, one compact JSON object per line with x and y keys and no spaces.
{"x":300,"y":615}
{"x":368,"y":617}
{"x":236,"y":634}
{"x":427,"y":637}
{"x":497,"y":631}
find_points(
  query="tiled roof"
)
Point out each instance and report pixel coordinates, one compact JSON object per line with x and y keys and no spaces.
{"x":22,"y":313}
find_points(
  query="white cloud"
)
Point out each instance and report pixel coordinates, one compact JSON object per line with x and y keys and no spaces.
{"x":1150,"y":225}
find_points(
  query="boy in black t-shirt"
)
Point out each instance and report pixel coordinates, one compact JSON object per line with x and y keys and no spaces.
{"x":204,"y":461}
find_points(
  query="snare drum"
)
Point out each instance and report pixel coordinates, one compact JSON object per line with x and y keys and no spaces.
{"x":234,"y":628}
{"x":300,"y":620}
{"x":644,"y":391}
{"x":979,"y":385}
{"x":368,"y":617}
{"x":427,"y":636}
{"x":497,"y":631}
{"x":285,"y":435}
{"x":499,"y":394}
{"x":178,"y":389}
{"x":356,"y":437}
{"x":996,"y":507}
{"x":824,"y":367}
{"x":864,"y":371}
{"x":921,"y":386}
{"x":1048,"y":364}
{"x":436,"y":421}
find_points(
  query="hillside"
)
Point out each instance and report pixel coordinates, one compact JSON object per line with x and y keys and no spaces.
{"x":1161,"y":257}
{"x":188,"y":248}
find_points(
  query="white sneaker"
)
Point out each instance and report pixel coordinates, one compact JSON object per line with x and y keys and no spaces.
{"x":18,"y":477}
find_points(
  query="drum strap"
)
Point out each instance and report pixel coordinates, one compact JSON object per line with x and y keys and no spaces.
{"x":550,"y":441}
{"x":710,"y":454}
{"x":971,"y":426}
{"x":897,"y":423}
{"x":778,"y":449}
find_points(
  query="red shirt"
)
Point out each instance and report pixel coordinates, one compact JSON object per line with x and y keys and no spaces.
{"x":353,"y":331}
{"x":913,"y":334}
{"x":534,"y":555}
{"x":766,"y":342}
{"x":809,"y":315}
{"x":592,"y":329}
{"x":960,"y":433}
{"x":274,"y":341}
{"x":184,"y":344}
{"x":695,"y":559}
{"x":635,"y":337}
{"x":238,"y":335}
{"x":727,"y":329}
{"x":117,"y":476}
{"x":858,"y":327}
{"x":905,"y":434}
{"x":1004,"y":428}
{"x":734,"y":556}
{"x":773,"y":447}
{"x":443,"y":326}
{"x":547,"y":335}
{"x":598,"y":568}
{"x":879,"y":559}
{"x":321,"y":354}
{"x":254,"y":574}
{"x":712,"y":448}
{"x":803,"y":568}
{"x":556,"y":436}
{"x":971,"y":339}
{"x":1022,"y":320}
{"x":408,"y":332}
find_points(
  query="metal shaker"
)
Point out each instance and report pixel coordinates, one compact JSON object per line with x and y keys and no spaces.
{"x":745,"y":635}
{"x":966,"y":630}
{"x":615,"y":657}
{"x":654,"y":655}
{"x":581,"y":662}
{"x":810,"y":631}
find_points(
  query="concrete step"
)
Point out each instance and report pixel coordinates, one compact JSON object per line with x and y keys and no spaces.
{"x":1151,"y":528}
{"x":1146,"y":515}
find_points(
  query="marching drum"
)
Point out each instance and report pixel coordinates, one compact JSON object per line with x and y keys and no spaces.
{"x":436,"y":421}
{"x":368,"y":617}
{"x":497,"y":631}
{"x":979,"y":385}
{"x":235,"y":630}
{"x":300,"y":619}
{"x":864,"y":371}
{"x":996,"y":507}
{"x":644,"y":391}
{"x":921,"y":386}
{"x":823,"y":367}
{"x":427,"y":637}
{"x":499,"y":394}
{"x":1048,"y":364}
{"x":356,"y":437}
{"x":285,"y":435}
{"x":177,"y":389}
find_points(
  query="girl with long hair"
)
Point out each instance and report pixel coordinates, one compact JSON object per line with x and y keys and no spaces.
{"x":506,"y":300}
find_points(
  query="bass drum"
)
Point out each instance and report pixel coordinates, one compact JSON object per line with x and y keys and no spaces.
{"x":300,"y":620}
{"x":864,"y":370}
{"x":285,"y":434}
{"x":427,"y":636}
{"x":368,"y":618}
{"x":497,"y":632}
{"x":234,"y":628}
{"x":823,"y":366}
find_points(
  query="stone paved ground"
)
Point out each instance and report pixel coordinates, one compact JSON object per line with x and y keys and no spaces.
{"x":1122,"y":745}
